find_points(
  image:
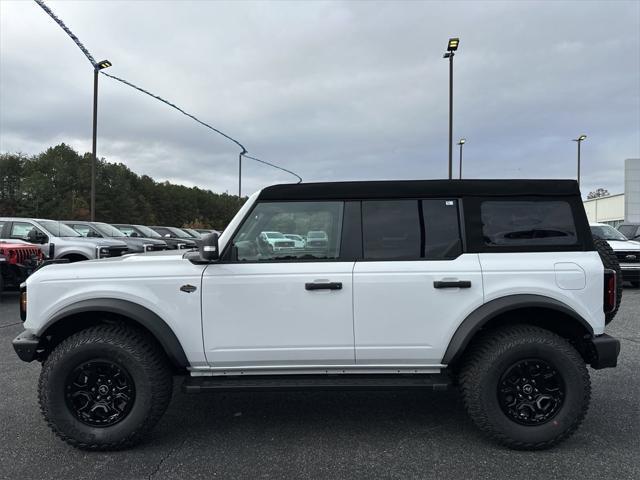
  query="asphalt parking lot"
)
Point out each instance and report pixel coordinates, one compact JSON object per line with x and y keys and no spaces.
{"x":326,"y":435}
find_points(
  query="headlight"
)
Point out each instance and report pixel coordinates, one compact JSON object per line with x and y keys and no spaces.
{"x":147,"y":247}
{"x":103,"y":252}
{"x":23,"y":304}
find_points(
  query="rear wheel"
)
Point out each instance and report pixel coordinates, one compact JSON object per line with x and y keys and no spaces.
{"x":104,"y":388}
{"x":525,"y":387}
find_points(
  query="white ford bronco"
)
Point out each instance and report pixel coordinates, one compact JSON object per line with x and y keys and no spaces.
{"x":494,"y":286}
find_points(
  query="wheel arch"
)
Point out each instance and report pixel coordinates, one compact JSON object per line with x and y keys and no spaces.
{"x":86,"y":313}
{"x":536,"y":310}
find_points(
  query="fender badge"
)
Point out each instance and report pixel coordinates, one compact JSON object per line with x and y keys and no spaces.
{"x":188,"y":288}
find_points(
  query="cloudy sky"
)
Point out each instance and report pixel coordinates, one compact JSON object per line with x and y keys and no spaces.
{"x":331,"y":90}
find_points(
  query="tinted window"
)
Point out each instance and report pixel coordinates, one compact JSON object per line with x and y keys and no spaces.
{"x":442,"y":229}
{"x":528,"y":223}
{"x":410,"y":229}
{"x":263,"y":235}
{"x":391,"y":229}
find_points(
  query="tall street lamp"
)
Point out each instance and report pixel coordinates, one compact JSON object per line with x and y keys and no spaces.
{"x":461,"y":143}
{"x":96,"y":69}
{"x":579,"y":140}
{"x":452,"y":46}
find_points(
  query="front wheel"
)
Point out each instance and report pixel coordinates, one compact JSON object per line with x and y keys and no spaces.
{"x":105,"y":387}
{"x":525,"y":387}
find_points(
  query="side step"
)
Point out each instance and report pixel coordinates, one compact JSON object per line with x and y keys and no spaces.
{"x":315,"y":382}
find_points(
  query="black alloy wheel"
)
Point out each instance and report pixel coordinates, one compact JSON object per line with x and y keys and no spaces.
{"x":99,"y":393}
{"x":531,"y":392}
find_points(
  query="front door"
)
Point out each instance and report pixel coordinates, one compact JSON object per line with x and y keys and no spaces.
{"x":272,"y":303}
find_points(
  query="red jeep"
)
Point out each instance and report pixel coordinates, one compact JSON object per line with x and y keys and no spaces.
{"x":17,"y":262}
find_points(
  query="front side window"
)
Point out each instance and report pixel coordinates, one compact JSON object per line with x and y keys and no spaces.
{"x":266,"y":234}
{"x":527,"y":223}
{"x":411,"y":229}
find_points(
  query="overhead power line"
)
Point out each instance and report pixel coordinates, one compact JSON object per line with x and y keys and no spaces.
{"x":68,"y":31}
{"x":146,"y":92}
{"x":243,"y":152}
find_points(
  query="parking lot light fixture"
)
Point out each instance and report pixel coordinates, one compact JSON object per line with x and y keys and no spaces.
{"x":579,"y":140}
{"x":101,"y":65}
{"x":452,"y":46}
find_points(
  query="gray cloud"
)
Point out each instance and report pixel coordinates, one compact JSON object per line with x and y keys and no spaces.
{"x":331,"y":90}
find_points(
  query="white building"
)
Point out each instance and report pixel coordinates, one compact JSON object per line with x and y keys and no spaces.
{"x":609,"y":209}
{"x":622,"y":207}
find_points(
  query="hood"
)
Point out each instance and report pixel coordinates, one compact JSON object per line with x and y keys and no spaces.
{"x":625,"y":246}
{"x":103,"y":242}
{"x":162,"y":263}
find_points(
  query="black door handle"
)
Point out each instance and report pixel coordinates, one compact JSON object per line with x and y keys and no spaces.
{"x":323,"y":286}
{"x":452,"y":284}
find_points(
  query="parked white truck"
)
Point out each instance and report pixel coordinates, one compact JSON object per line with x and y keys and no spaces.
{"x":496,"y":286}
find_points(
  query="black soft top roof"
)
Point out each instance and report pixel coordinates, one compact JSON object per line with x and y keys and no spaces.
{"x":419,"y":189}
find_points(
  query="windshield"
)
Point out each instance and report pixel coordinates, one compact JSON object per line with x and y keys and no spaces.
{"x":274,"y":235}
{"x":108,"y":230}
{"x":59,"y":229}
{"x":147,"y":232}
{"x":178,"y":232}
{"x":608,"y":233}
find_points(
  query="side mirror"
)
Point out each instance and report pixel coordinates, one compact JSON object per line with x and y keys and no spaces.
{"x":133,"y":234}
{"x":208,"y":247}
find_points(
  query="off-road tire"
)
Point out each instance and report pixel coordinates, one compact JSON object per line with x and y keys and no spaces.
{"x":132,"y":349}
{"x":609,"y":260}
{"x":490,"y":356}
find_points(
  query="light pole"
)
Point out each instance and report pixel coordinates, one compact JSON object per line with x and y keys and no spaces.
{"x":461,"y":143}
{"x":96,"y":69}
{"x":452,"y":46}
{"x":579,"y":140}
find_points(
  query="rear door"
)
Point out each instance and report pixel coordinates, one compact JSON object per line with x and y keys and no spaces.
{"x":414,"y":285}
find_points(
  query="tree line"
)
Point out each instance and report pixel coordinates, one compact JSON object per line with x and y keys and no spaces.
{"x":56,"y":184}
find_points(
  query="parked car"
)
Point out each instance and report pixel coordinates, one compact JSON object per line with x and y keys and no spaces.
{"x":275,"y":241}
{"x":298,"y":240}
{"x":144,"y":232}
{"x":104,"y":230}
{"x":412,"y":296}
{"x":630,"y":230}
{"x":191,"y":232}
{"x":317,"y":239}
{"x":57,"y":240}
{"x":175,"y":233}
{"x":17,"y":262}
{"x":627,"y":251}
{"x":207,"y":231}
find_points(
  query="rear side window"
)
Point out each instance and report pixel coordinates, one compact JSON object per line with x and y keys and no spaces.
{"x":410,"y":229}
{"x":527,"y":223}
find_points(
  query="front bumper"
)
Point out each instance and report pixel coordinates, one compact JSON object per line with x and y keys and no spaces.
{"x":26,"y":346}
{"x":604,"y":352}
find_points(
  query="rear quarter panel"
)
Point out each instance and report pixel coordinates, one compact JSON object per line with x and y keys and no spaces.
{"x":573,"y":278}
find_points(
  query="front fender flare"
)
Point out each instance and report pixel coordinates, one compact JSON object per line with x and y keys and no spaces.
{"x":139,"y":314}
{"x":483,"y":314}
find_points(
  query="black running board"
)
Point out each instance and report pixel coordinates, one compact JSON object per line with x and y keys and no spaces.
{"x":315,"y":382}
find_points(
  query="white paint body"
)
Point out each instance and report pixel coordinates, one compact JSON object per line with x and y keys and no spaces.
{"x":258,"y":317}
